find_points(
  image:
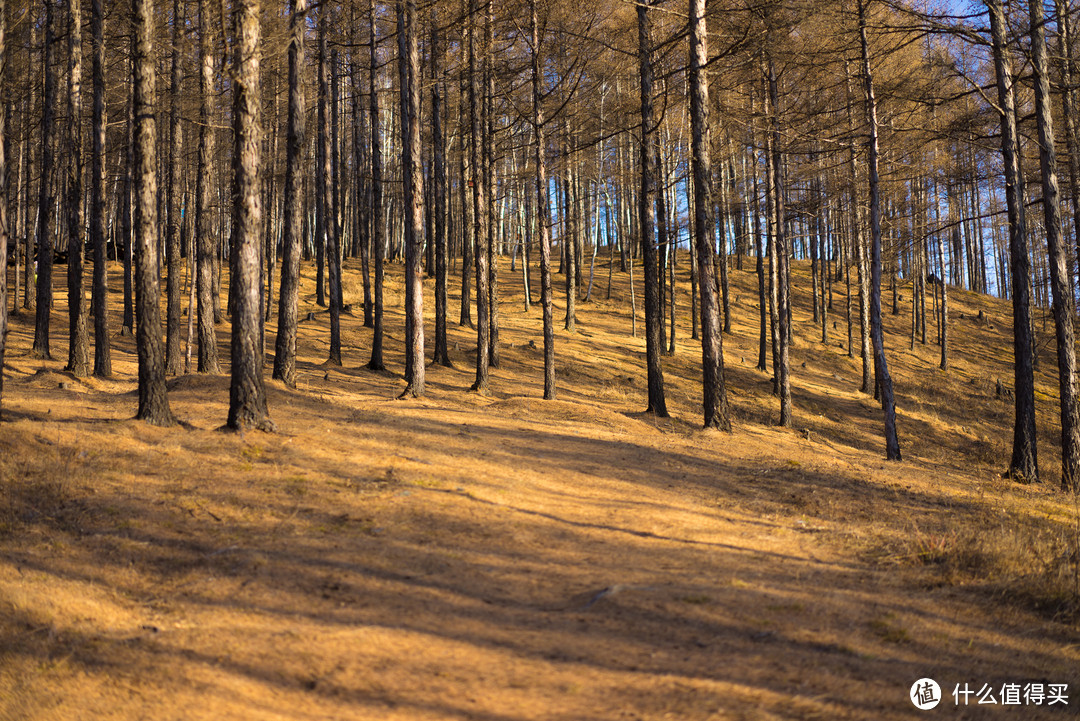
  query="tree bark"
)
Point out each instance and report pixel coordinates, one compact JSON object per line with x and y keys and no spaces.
{"x":480,"y":213}
{"x":44,"y":293}
{"x":892,"y":444}
{"x":378,"y":242}
{"x":442,"y":355}
{"x":413,"y":180}
{"x":1060,"y":277}
{"x":3,"y":213}
{"x":712,"y":351}
{"x":324,"y":176}
{"x":285,"y":343}
{"x":100,"y":295}
{"x":543,"y":205}
{"x":647,"y":213}
{"x":1023,"y":465}
{"x":205,"y":241}
{"x":78,"y":333}
{"x":172,"y":238}
{"x":153,"y":399}
{"x":247,"y":396}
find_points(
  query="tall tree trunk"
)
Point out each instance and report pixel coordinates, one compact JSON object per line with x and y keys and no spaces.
{"x":543,"y":205}
{"x":1023,"y":465}
{"x":100,"y":296}
{"x":153,"y":399}
{"x":647,"y":213}
{"x":1060,"y":277}
{"x":867,"y":384}
{"x":412,"y":172}
{"x":285,"y":343}
{"x":892,"y":444}
{"x":45,"y":199}
{"x":78,"y":333}
{"x":712,"y":350}
{"x":324,"y":175}
{"x":480,"y":213}
{"x":442,"y":355}
{"x":781,"y":254}
{"x":206,"y":243}
{"x":247,"y":396}
{"x":378,"y":241}
{"x":490,"y":186}
{"x":3,"y":213}
{"x":172,"y":238}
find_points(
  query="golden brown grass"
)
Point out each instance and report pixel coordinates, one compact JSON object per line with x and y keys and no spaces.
{"x":504,"y":557}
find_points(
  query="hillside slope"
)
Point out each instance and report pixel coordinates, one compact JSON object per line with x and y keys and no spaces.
{"x":503,"y":557}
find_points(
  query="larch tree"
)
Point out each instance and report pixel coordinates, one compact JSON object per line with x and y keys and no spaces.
{"x":44,"y":294}
{"x":78,"y":334}
{"x":543,"y":203}
{"x":412,"y":177}
{"x":205,"y":241}
{"x":285,"y":343}
{"x":247,"y":394}
{"x":173,"y":281}
{"x":153,"y":398}
{"x":438,"y":170}
{"x":712,"y":350}
{"x":378,"y":239}
{"x":3,"y":210}
{"x":479,"y":211}
{"x":1060,"y":275}
{"x":100,"y":288}
{"x":892,"y":444}
{"x":647,"y":216}
{"x":1023,"y":465}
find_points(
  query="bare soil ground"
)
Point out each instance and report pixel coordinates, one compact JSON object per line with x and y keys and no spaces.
{"x":502,"y":558}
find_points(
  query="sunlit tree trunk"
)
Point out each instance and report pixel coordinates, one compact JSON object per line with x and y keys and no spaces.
{"x":100,"y":294}
{"x":413,"y":181}
{"x":78,"y":334}
{"x":543,"y":204}
{"x":153,"y":400}
{"x":247,"y":396}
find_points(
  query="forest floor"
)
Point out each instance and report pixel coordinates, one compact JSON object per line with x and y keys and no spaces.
{"x":503,"y":558}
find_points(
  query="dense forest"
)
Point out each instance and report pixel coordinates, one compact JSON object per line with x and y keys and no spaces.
{"x":195,"y":144}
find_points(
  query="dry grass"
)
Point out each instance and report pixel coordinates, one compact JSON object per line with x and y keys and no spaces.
{"x":503,"y":558}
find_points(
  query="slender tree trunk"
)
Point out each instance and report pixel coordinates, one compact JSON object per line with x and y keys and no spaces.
{"x":412,"y":176}
{"x":153,"y":400}
{"x":480,"y":213}
{"x":647,"y":213}
{"x":3,"y":212}
{"x":325,"y":179}
{"x":867,"y":384}
{"x":712,"y":350}
{"x":378,"y":241}
{"x":172,"y":230}
{"x":781,"y":254}
{"x":45,"y":199}
{"x":892,"y":445}
{"x":285,"y":344}
{"x":1024,"y":465}
{"x":206,"y":243}
{"x":1060,"y":277}
{"x":442,"y":356}
{"x":543,"y":205}
{"x":490,"y":187}
{"x":247,"y":396}
{"x":102,"y":350}
{"x":78,"y":334}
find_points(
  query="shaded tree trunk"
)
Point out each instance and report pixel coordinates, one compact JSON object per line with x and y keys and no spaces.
{"x":647,"y":213}
{"x":153,"y":399}
{"x":376,"y":210}
{"x":285,"y":343}
{"x":442,"y":356}
{"x":44,"y":294}
{"x":100,"y":295}
{"x":172,"y":238}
